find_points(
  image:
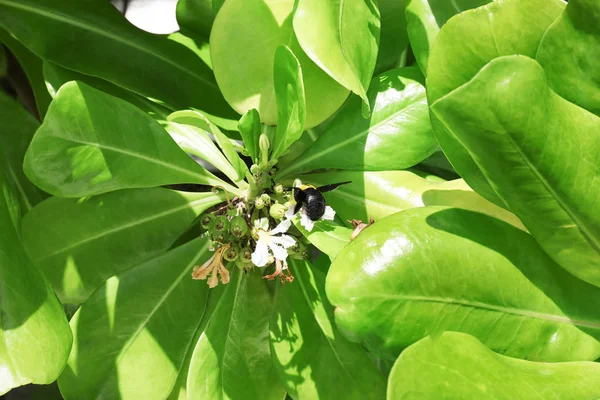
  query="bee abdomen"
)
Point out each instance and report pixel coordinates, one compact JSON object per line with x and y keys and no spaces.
{"x":315,"y":205}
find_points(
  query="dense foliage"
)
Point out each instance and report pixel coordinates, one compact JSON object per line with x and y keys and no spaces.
{"x":160,"y":186}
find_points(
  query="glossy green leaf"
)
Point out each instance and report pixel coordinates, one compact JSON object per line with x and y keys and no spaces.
{"x":16,"y":130}
{"x":424,"y":19}
{"x":32,"y":66}
{"x":132,"y":335}
{"x":312,"y":358}
{"x":398,"y":134}
{"x":250,"y":129}
{"x":56,"y":76}
{"x":327,"y":236}
{"x":194,"y":140}
{"x":197,"y":119}
{"x":458,"y":366}
{"x":540,"y":152}
{"x":123,"y":54}
{"x":180,"y":388}
{"x":243,"y":41}
{"x":432,"y":269}
{"x":379,"y":194}
{"x":197,"y":15}
{"x":79,"y":152}
{"x":569,"y":54}
{"x":35,"y":338}
{"x":79,"y":244}
{"x":232,"y":359}
{"x":291,"y":102}
{"x":502,"y":28}
{"x":341,"y":37}
{"x":394,"y":38}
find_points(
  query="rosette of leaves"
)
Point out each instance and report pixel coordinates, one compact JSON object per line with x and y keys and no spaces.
{"x":150,"y":141}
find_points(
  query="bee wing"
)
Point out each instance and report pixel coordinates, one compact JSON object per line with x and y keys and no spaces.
{"x":333,"y":186}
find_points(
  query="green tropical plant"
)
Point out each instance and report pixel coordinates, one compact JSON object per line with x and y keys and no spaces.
{"x":155,"y":186}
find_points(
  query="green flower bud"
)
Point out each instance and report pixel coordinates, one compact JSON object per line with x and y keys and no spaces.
{"x":207,"y":221}
{"x":222,"y":237}
{"x":254,"y":169}
{"x":278,"y":188}
{"x":259,"y":203}
{"x":277,"y":211}
{"x":265,"y":198}
{"x":221,"y":223}
{"x":246,"y":255}
{"x":238,"y":226}
{"x":263,"y":143}
{"x":232,"y":253}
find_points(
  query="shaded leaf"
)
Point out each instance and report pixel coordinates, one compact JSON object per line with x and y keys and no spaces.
{"x":291,"y":103}
{"x":312,"y":358}
{"x":397,"y":135}
{"x":569,"y":54}
{"x":458,"y":366}
{"x":242,"y":53}
{"x":250,"y":129}
{"x":132,"y":335}
{"x":79,"y":244}
{"x":393,"y":38}
{"x":232,"y":359}
{"x":197,"y":15}
{"x":35,"y":338}
{"x":123,"y":54}
{"x":79,"y":152}
{"x":16,"y":130}
{"x":539,"y":151}
{"x":433,"y":269}
{"x":502,"y":28}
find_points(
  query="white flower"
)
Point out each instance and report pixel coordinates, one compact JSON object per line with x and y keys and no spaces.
{"x":267,"y":240}
{"x":305,"y":221}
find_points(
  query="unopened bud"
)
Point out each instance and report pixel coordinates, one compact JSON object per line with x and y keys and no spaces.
{"x":259,"y":203}
{"x":254,"y":169}
{"x":278,"y":188}
{"x":277,"y":211}
{"x":265,"y":198}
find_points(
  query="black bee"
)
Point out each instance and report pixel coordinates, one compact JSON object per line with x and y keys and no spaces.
{"x":312,"y":198}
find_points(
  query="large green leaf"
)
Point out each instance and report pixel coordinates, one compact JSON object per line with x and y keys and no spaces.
{"x":502,"y":28}
{"x":426,"y":270}
{"x":79,"y":244}
{"x":232,"y":359}
{"x":291,"y":102}
{"x":458,"y":366}
{"x":180,"y":388}
{"x":80,"y":151}
{"x":32,"y":66}
{"x":16,"y":130}
{"x":147,"y":64}
{"x":379,"y":194}
{"x":132,"y":335}
{"x":35,"y":338}
{"x":312,"y":358}
{"x":569,"y":53}
{"x":539,"y":151}
{"x":424,"y":18}
{"x":243,"y":41}
{"x":56,"y":76}
{"x":397,"y":135}
{"x":341,"y":37}
{"x":393,"y":38}
{"x":327,"y":236}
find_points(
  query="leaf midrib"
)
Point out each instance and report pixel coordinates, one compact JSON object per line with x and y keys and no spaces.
{"x":126,"y":226}
{"x":485,"y":306}
{"x":106,"y":33}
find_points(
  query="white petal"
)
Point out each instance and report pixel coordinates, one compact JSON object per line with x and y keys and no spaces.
{"x":329,"y":213}
{"x":262,"y":223}
{"x":306,"y":222}
{"x":282,"y":227}
{"x":290,"y":211}
{"x":283,"y":240}
{"x":260,"y":257}
{"x":279,"y":252}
